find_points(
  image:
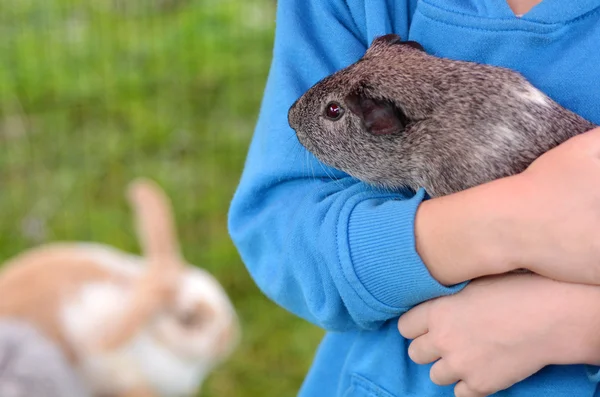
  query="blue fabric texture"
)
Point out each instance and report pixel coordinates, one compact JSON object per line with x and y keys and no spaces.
{"x":341,"y":254}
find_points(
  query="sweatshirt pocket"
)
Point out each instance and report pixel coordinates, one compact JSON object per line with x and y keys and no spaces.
{"x":362,"y":387}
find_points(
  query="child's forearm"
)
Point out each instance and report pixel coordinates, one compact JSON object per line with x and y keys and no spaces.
{"x":581,"y":333}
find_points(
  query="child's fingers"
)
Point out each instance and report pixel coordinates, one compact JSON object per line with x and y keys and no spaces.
{"x":422,"y":350}
{"x":441,"y":373}
{"x":463,"y":390}
{"x":415,"y":322}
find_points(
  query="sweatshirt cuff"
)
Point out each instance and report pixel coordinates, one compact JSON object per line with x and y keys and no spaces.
{"x":384,"y":266}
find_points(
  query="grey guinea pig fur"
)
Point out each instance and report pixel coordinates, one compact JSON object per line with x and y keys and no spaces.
{"x":402,"y":118}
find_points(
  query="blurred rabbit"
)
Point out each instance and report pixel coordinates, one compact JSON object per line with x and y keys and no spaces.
{"x":131,"y":326}
{"x":32,"y":365}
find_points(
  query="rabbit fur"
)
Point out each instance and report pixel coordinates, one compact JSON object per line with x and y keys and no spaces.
{"x":131,"y":326}
{"x":408,"y":119}
{"x":31,"y":365}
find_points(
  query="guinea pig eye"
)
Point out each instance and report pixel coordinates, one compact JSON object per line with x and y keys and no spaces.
{"x":334,"y":111}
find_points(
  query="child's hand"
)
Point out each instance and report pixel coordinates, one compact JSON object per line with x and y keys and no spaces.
{"x":500,"y":330}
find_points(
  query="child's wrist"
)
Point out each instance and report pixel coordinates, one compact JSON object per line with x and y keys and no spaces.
{"x":576,"y":315}
{"x":470,"y":234}
{"x":589,"y":346}
{"x":508,"y":224}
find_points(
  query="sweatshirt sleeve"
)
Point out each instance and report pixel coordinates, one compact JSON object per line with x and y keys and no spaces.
{"x":321,"y":244}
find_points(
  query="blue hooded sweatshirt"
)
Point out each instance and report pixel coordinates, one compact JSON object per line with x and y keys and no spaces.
{"x":341,"y":254}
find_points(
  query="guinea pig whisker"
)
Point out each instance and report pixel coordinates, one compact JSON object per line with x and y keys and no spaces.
{"x":305,"y":164}
{"x":312,"y":167}
{"x":291,"y":138}
{"x":331,"y":176}
{"x":294,"y":150}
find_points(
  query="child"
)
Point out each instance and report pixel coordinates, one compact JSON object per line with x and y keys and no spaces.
{"x":352,"y":259}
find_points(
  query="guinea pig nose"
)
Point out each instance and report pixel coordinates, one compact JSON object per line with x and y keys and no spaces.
{"x":291,"y":116}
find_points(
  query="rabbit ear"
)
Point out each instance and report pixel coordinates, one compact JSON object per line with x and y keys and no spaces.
{"x":379,"y":117}
{"x":155,"y":224}
{"x":155,"y":288}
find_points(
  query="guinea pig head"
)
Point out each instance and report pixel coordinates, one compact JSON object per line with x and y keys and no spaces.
{"x":357,"y":117}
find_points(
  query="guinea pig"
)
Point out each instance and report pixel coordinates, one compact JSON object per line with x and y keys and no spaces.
{"x":402,"y":118}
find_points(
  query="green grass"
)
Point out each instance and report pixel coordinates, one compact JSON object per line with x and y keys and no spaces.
{"x":96,"y":92}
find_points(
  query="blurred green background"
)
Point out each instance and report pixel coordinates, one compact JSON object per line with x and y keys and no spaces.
{"x":94,"y":93}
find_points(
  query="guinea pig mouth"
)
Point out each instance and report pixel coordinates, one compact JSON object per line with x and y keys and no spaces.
{"x":309,"y":144}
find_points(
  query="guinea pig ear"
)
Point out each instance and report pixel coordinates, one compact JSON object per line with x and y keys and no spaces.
{"x":414,"y":44}
{"x":378,"y":116}
{"x":394,"y":39}
{"x":387,"y":39}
